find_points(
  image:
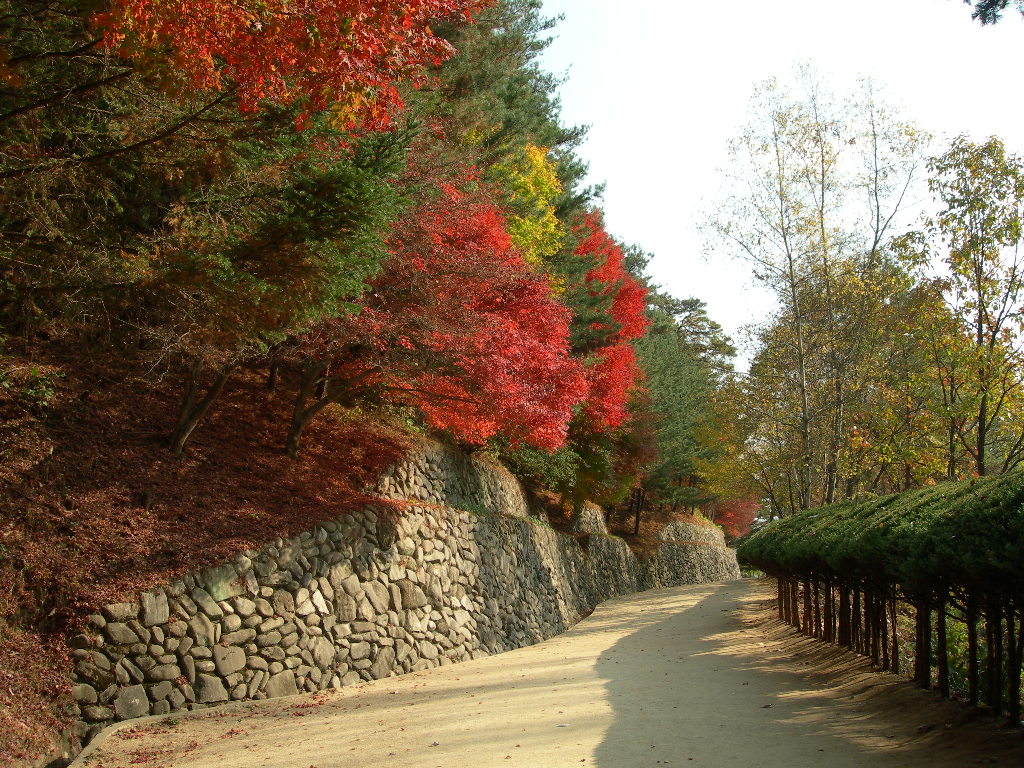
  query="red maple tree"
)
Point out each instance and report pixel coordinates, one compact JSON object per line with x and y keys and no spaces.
{"x":348,"y":53}
{"x":458,"y":326}
{"x":735,"y":515}
{"x":612,"y":372}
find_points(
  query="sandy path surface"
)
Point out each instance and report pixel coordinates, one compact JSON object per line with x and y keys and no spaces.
{"x":689,"y":676}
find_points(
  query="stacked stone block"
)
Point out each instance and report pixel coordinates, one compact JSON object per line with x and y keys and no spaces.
{"x":370,"y":594}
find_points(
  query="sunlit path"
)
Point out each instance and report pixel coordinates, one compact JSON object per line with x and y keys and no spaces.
{"x":683,"y":676}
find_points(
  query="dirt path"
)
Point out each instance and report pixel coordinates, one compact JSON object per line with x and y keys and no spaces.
{"x":690,"y":676}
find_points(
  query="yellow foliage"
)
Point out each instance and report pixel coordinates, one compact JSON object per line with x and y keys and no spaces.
{"x":530,"y":185}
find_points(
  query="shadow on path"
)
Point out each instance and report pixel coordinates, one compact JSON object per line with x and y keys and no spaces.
{"x":720,"y":684}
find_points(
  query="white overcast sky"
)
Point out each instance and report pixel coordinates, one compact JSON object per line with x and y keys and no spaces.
{"x":665,"y":83}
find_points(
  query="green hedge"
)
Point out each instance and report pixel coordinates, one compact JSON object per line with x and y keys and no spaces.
{"x":967,"y":535}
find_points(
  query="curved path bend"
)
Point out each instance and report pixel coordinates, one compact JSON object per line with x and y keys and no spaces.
{"x":688,"y":676}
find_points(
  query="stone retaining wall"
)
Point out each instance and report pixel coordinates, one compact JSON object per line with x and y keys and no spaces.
{"x":464,"y":571}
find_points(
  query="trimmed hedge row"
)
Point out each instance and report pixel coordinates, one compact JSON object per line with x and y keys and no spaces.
{"x":950,"y":550}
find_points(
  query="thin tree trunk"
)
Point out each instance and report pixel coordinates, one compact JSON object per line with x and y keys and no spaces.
{"x":941,"y":649}
{"x":923,"y":660}
{"x":971,"y":617}
{"x":817,"y":609}
{"x":855,"y":623}
{"x":845,"y":636}
{"x":304,"y":410}
{"x":1013,"y":667}
{"x":191,"y":413}
{"x":808,"y":611}
{"x":894,"y":663}
{"x":994,"y":621}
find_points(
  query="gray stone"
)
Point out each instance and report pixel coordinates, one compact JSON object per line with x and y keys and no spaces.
{"x":264,"y":608}
{"x":284,"y":604}
{"x":177,"y":629}
{"x":95,"y":674}
{"x":412,"y":595}
{"x":256,"y":682}
{"x":320,"y":604}
{"x":131,"y":702}
{"x":359,"y":650}
{"x":120,"y":611}
{"x":273,"y":653}
{"x":154,"y":608}
{"x":383,"y":664}
{"x":222,"y":583}
{"x":427,"y":650}
{"x":366,"y":610}
{"x":163,"y":672}
{"x":229,"y":659}
{"x":273,"y":623}
{"x":184,"y":607}
{"x":268,"y":639}
{"x":161,"y":708}
{"x":244,"y":607}
{"x":143,"y":633}
{"x":133,"y":671}
{"x":176,"y":699}
{"x":97,"y":714}
{"x":378,"y":595}
{"x":202,"y":629}
{"x":189,"y":665}
{"x":289,"y":640}
{"x":83,"y":640}
{"x":161,"y":690}
{"x":120,"y":634}
{"x":323,"y":653}
{"x":241,"y":637}
{"x":231,"y":623}
{"x":206,"y":603}
{"x":84,"y":694}
{"x":351,"y":585}
{"x":281,"y":684}
{"x":210,"y":689}
{"x":344,"y":607}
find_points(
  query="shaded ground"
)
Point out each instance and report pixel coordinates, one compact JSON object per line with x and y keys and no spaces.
{"x":699,"y":675}
{"x":93,"y":506}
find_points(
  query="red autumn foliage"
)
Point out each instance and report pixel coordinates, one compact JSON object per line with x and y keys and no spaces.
{"x":735,"y":515}
{"x":613,"y":373}
{"x":352,"y":53}
{"x":609,"y":278}
{"x":458,"y":326}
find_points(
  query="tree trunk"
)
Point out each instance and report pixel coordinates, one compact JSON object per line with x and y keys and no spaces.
{"x":845,"y":636}
{"x":855,"y":622}
{"x":994,"y":632}
{"x":971,"y":617}
{"x":941,"y":650}
{"x":303,"y":410}
{"x":817,"y":609}
{"x":1013,"y":666}
{"x":894,"y":663}
{"x":191,"y":413}
{"x":923,"y":660}
{"x":808,"y":614}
